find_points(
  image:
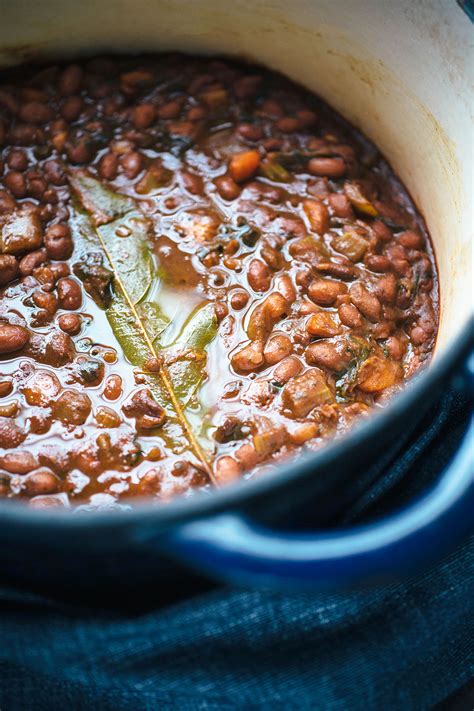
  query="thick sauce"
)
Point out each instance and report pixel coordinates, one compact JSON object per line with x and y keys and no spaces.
{"x":203,"y":270}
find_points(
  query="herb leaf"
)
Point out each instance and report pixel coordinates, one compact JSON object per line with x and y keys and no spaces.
{"x":116,"y":230}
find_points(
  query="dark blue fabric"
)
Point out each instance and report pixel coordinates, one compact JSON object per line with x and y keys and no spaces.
{"x":405,"y":646}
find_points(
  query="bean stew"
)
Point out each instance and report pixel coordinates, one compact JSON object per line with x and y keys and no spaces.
{"x":203,"y":270}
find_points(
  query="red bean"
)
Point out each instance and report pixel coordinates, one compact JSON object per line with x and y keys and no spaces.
{"x":192,"y":182}
{"x":328,"y":355}
{"x":40,"y":482}
{"x":71,"y":108}
{"x":132,"y":164}
{"x":377,"y":262}
{"x":70,"y":323}
{"x":18,"y":462}
{"x":367,"y":303}
{"x":248,"y":358}
{"x":288,"y":124}
{"x":259,"y":276}
{"x":108,"y":166}
{"x":328,"y":167}
{"x":386,"y":288}
{"x":226,"y":470}
{"x":171,"y":109}
{"x":227,"y":187}
{"x":276,"y":348}
{"x":54,"y":172}
{"x":72,"y":407}
{"x":350,"y":316}
{"x":7,"y":203}
{"x":17,"y":160}
{"x":324,"y":292}
{"x":239,"y":299}
{"x":16,"y":183}
{"x":113,"y":387}
{"x":46,"y":300}
{"x":287,"y":369}
{"x":143,"y":116}
{"x":58,"y":242}
{"x":36,"y":112}
{"x":69,"y":294}
{"x":12,"y":338}
{"x":70,"y":80}
{"x":411,"y":240}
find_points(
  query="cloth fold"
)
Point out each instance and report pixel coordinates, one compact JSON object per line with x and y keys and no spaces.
{"x":408,"y":645}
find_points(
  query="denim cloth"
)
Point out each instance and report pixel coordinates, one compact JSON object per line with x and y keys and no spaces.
{"x":407,"y":645}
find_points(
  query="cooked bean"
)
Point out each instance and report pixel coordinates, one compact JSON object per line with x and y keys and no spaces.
{"x":248,"y":358}
{"x":339,"y":269}
{"x":276,"y":348}
{"x":72,"y":407}
{"x":317,"y":214}
{"x":11,"y":434}
{"x":377,"y":262}
{"x":69,"y":294}
{"x":40,"y":482}
{"x":7,"y":203}
{"x":227,"y":469}
{"x":18,"y":462}
{"x":221,"y":311}
{"x":418,"y":336}
{"x":16,"y":183}
{"x":71,"y":108}
{"x":266,"y":315}
{"x":288,"y":124}
{"x":411,"y":239}
{"x":36,"y":112}
{"x":70,"y":80}
{"x":285,"y":286}
{"x":367,"y":303}
{"x":247,"y":456}
{"x":328,"y":167}
{"x":171,"y":109}
{"x":17,"y":160}
{"x":396,"y":348}
{"x":70,"y":323}
{"x":132,"y":164}
{"x":239,"y":299}
{"x":54,"y":172}
{"x":143,"y":116}
{"x":259,"y":276}
{"x":350,"y":316}
{"x":340,"y":204}
{"x":113,"y":387}
{"x":12,"y":338}
{"x":144,"y":408}
{"x":324,"y":292}
{"x":287,"y":369}
{"x":192,"y":182}
{"x":227,"y":187}
{"x":108,"y":166}
{"x":333,"y":356}
{"x":8,"y":268}
{"x":46,"y":300}
{"x":322,"y":325}
{"x":376,"y":374}
{"x":386,"y":288}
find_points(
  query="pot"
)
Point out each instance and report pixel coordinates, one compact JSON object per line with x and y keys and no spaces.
{"x":401,"y":72}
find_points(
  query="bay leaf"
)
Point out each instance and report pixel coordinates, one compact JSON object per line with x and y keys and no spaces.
{"x":105,"y":224}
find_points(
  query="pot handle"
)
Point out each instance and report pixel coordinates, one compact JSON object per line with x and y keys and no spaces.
{"x":233,"y":548}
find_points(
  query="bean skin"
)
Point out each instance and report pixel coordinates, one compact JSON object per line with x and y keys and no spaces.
{"x":58,"y":242}
{"x":143,"y":116}
{"x":227,"y":469}
{"x":70,"y":80}
{"x":367,"y":303}
{"x":327,"y":167}
{"x":69,"y":294}
{"x":71,"y":108}
{"x":276,"y":348}
{"x":327,"y":355}
{"x":108,"y":166}
{"x":227,"y":187}
{"x":324,"y":292}
{"x":12,"y":338}
{"x":287,"y":369}
{"x":259,"y":276}
{"x":40,"y":482}
{"x":350,"y":316}
{"x":70,"y":323}
{"x":46,"y":300}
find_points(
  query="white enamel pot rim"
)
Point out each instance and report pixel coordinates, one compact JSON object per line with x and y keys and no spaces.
{"x":399,"y":71}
